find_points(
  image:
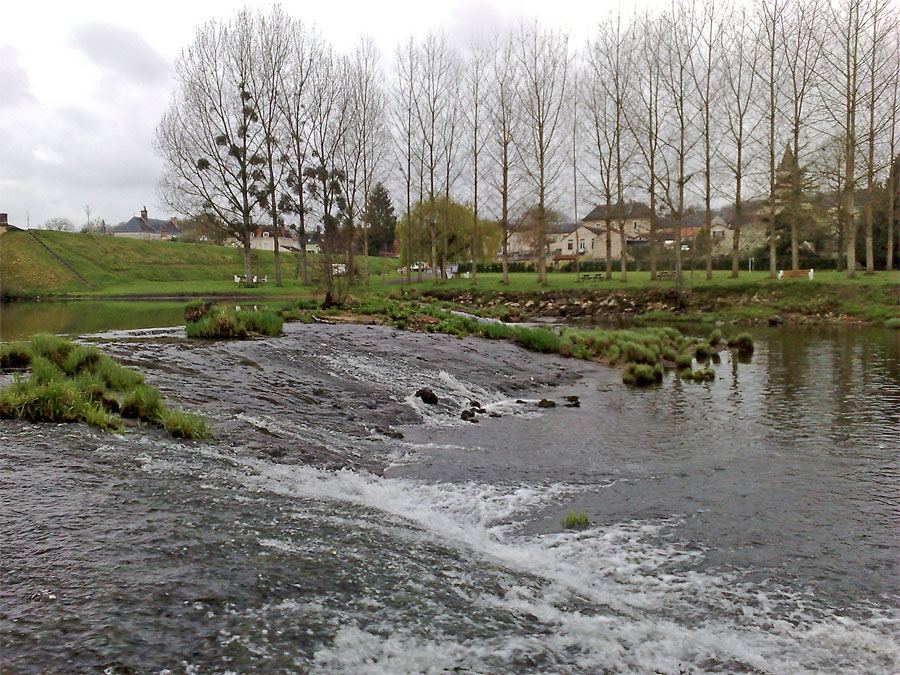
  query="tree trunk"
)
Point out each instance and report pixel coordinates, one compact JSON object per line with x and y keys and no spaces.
{"x":248,"y":260}
{"x":277,"y":261}
{"x":624,"y":255}
{"x":795,"y":244}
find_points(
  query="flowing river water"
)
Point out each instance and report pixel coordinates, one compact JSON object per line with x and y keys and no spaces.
{"x":338,"y":524}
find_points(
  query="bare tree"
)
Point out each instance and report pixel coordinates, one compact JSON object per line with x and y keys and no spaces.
{"x":305,"y":51}
{"x":879,"y":70}
{"x":435,"y":92}
{"x":848,"y":24}
{"x":705,"y":72}
{"x":893,"y":145}
{"x":607,"y":85}
{"x":741,"y":86}
{"x":678,"y":39}
{"x":504,"y":114}
{"x":59,"y":225}
{"x":544,"y":61}
{"x":404,"y":97}
{"x":328,"y":109}
{"x":645,"y":125}
{"x":272,"y":51}
{"x":475,"y":118}
{"x":210,"y":139}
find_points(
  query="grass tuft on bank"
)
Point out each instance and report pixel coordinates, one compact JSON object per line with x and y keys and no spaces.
{"x":210,"y":322}
{"x":60,"y":381}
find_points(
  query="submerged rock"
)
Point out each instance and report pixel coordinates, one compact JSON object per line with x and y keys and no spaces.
{"x":572,"y":402}
{"x":427,"y":396}
{"x":546,"y":403}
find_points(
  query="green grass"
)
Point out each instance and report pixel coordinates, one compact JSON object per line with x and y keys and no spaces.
{"x":78,"y":383}
{"x":116,"y":266}
{"x":576,"y":521}
{"x":222,"y":324}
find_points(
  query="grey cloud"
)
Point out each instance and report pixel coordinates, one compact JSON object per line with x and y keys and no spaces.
{"x":121,"y":50}
{"x":14,"y":83}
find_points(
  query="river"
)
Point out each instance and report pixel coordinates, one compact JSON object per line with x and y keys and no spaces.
{"x":745,"y":525}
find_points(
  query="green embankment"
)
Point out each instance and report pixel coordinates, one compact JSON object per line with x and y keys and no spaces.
{"x":119,"y":266}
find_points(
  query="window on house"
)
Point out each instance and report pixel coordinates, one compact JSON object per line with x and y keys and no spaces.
{"x":581,"y":246}
{"x":570,"y":245}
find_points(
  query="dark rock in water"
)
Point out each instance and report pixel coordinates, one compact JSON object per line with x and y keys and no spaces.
{"x":496,"y":414}
{"x":546,"y":403}
{"x":775,"y":320}
{"x":474,"y":420}
{"x":474,"y":404}
{"x":572,"y":402}
{"x":467,"y":414}
{"x":518,"y":400}
{"x":479,"y":410}
{"x":427,"y":396}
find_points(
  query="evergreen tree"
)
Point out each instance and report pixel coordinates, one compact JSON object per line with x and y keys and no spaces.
{"x":381,"y":219}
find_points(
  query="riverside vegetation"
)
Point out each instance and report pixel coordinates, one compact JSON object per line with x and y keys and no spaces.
{"x":69,"y":382}
{"x":203,"y":320}
{"x":645,"y":352}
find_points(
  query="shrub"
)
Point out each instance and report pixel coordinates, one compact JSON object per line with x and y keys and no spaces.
{"x":83,"y":357}
{"x":261,"y":322}
{"x":641,"y":374}
{"x":197,"y":310}
{"x":632,"y":352}
{"x":893,"y":322}
{"x":498,"y":331}
{"x":743,"y":342}
{"x":703,"y":375}
{"x":669,"y":354}
{"x":684,"y":360}
{"x":43,"y":370}
{"x":686,"y":373}
{"x":576,"y":521}
{"x":538,"y":339}
{"x":612,"y":354}
{"x":51,"y":347}
{"x":117,"y":378}
{"x":14,"y":355}
{"x":183,"y":425}
{"x":144,"y":402}
{"x":54,"y":401}
{"x":308,"y":303}
{"x":715,"y":337}
{"x":702,"y":352}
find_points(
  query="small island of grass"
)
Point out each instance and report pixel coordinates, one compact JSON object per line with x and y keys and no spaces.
{"x":68,"y":382}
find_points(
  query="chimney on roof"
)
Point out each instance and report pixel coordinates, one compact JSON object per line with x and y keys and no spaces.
{"x":144,"y":213}
{"x":3,"y":219}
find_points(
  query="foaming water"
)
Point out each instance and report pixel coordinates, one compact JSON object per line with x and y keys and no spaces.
{"x":721,"y":539}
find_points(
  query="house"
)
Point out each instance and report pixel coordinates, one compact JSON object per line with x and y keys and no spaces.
{"x":4,"y":224}
{"x":146,"y":228}
{"x":634,"y":215}
{"x":263,"y":239}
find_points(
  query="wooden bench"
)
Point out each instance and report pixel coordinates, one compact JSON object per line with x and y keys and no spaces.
{"x":796,"y":274}
{"x":588,"y":277}
{"x":665,"y":274}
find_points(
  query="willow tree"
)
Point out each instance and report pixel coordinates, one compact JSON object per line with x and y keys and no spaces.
{"x":210,"y":139}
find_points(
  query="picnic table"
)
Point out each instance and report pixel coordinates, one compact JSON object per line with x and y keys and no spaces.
{"x":665,"y":274}
{"x":588,"y":277}
{"x":241,"y":279}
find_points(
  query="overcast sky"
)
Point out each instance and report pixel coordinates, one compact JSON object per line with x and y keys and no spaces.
{"x":83,"y":85}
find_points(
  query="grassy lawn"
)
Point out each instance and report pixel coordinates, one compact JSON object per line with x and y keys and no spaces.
{"x":128,"y":267}
{"x":118,"y":266}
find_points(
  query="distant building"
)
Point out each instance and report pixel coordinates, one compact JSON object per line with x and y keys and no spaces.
{"x":146,"y":228}
{"x":4,"y":224}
